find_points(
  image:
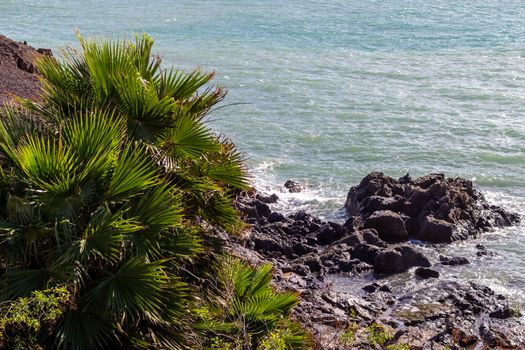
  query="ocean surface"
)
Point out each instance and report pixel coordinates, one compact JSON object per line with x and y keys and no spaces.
{"x":324,"y":92}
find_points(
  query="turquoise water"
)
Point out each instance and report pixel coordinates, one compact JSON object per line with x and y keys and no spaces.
{"x":324,"y":92}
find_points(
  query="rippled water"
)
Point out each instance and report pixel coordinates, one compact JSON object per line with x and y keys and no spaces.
{"x":325,"y":92}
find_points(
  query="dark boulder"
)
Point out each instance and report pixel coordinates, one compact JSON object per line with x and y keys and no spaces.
{"x":371,"y":236}
{"x":426,"y":273}
{"x":453,"y":261}
{"x":399,"y":259}
{"x":311,"y":260}
{"x":371,"y":288}
{"x":433,"y":208}
{"x":435,"y":230}
{"x":267,"y":199}
{"x":276,"y":217}
{"x":412,"y":257}
{"x":329,"y":233}
{"x":388,"y":224}
{"x":366,"y":252}
{"x":293,"y":186}
{"x":388,"y":262}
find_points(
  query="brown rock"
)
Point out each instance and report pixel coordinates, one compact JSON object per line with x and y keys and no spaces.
{"x":435,"y":230}
{"x":388,"y":224}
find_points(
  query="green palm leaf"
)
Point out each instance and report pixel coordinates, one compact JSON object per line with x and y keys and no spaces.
{"x":19,"y":283}
{"x":188,"y":139}
{"x":134,"y":173}
{"x":82,"y":330}
{"x":133,"y":290}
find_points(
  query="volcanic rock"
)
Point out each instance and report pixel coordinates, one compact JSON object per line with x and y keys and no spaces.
{"x":388,"y":224}
{"x":18,"y":75}
{"x":433,"y":208}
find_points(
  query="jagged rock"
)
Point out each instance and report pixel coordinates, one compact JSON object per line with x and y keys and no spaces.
{"x":366,"y":252}
{"x":434,"y":230}
{"x":329,"y":233}
{"x":45,"y":52}
{"x":398,"y":260}
{"x":371,"y":288}
{"x":276,"y":217}
{"x":433,"y":208}
{"x":388,"y":224}
{"x":371,"y":236}
{"x":445,"y":260}
{"x":18,"y":75}
{"x":293,"y":186}
{"x":504,"y":313}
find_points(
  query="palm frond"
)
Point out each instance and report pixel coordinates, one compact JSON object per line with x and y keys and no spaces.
{"x":135,"y":289}
{"x":188,"y":138}
{"x":134,"y":173}
{"x":84,"y":330}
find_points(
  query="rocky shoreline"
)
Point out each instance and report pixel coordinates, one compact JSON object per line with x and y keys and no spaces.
{"x":388,"y":222}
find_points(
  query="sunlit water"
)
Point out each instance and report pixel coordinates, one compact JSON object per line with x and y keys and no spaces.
{"x":325,"y":92}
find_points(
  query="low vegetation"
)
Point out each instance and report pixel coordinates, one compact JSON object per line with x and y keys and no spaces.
{"x":111,"y":187}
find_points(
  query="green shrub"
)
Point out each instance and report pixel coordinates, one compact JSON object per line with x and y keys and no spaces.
{"x":26,"y":322}
{"x":165,"y":109}
{"x":348,"y":337}
{"x":378,"y":334}
{"x":243,"y":309}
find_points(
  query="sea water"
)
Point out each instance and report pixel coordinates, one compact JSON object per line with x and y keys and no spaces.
{"x":324,"y":92}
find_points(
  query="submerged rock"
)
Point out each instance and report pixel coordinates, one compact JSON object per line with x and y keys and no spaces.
{"x":453,"y":261}
{"x":293,"y":186}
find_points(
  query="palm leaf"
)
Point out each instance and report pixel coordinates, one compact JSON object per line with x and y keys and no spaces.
{"x":82,"y":330}
{"x":134,"y":173}
{"x":134,"y":290}
{"x":188,"y":138}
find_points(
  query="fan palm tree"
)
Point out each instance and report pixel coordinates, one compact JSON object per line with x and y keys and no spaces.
{"x":165,"y":109}
{"x":242,"y":309}
{"x":107,"y":185}
{"x":82,"y":206}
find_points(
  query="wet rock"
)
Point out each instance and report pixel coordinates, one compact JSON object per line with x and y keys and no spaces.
{"x":293,"y":186}
{"x":426,"y":273}
{"x":366,"y":252}
{"x":388,"y":224}
{"x":405,"y":179}
{"x":352,"y":239}
{"x":388,"y":262}
{"x":371,"y":288}
{"x":504,"y":313}
{"x":434,"y":208}
{"x":398,"y":260}
{"x":434,"y":230}
{"x":371,"y":236}
{"x":270,"y":199}
{"x":276,"y":217}
{"x":329,"y":233}
{"x":483,"y":251}
{"x":412,"y":257}
{"x":385,"y":288}
{"x":453,"y":261}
